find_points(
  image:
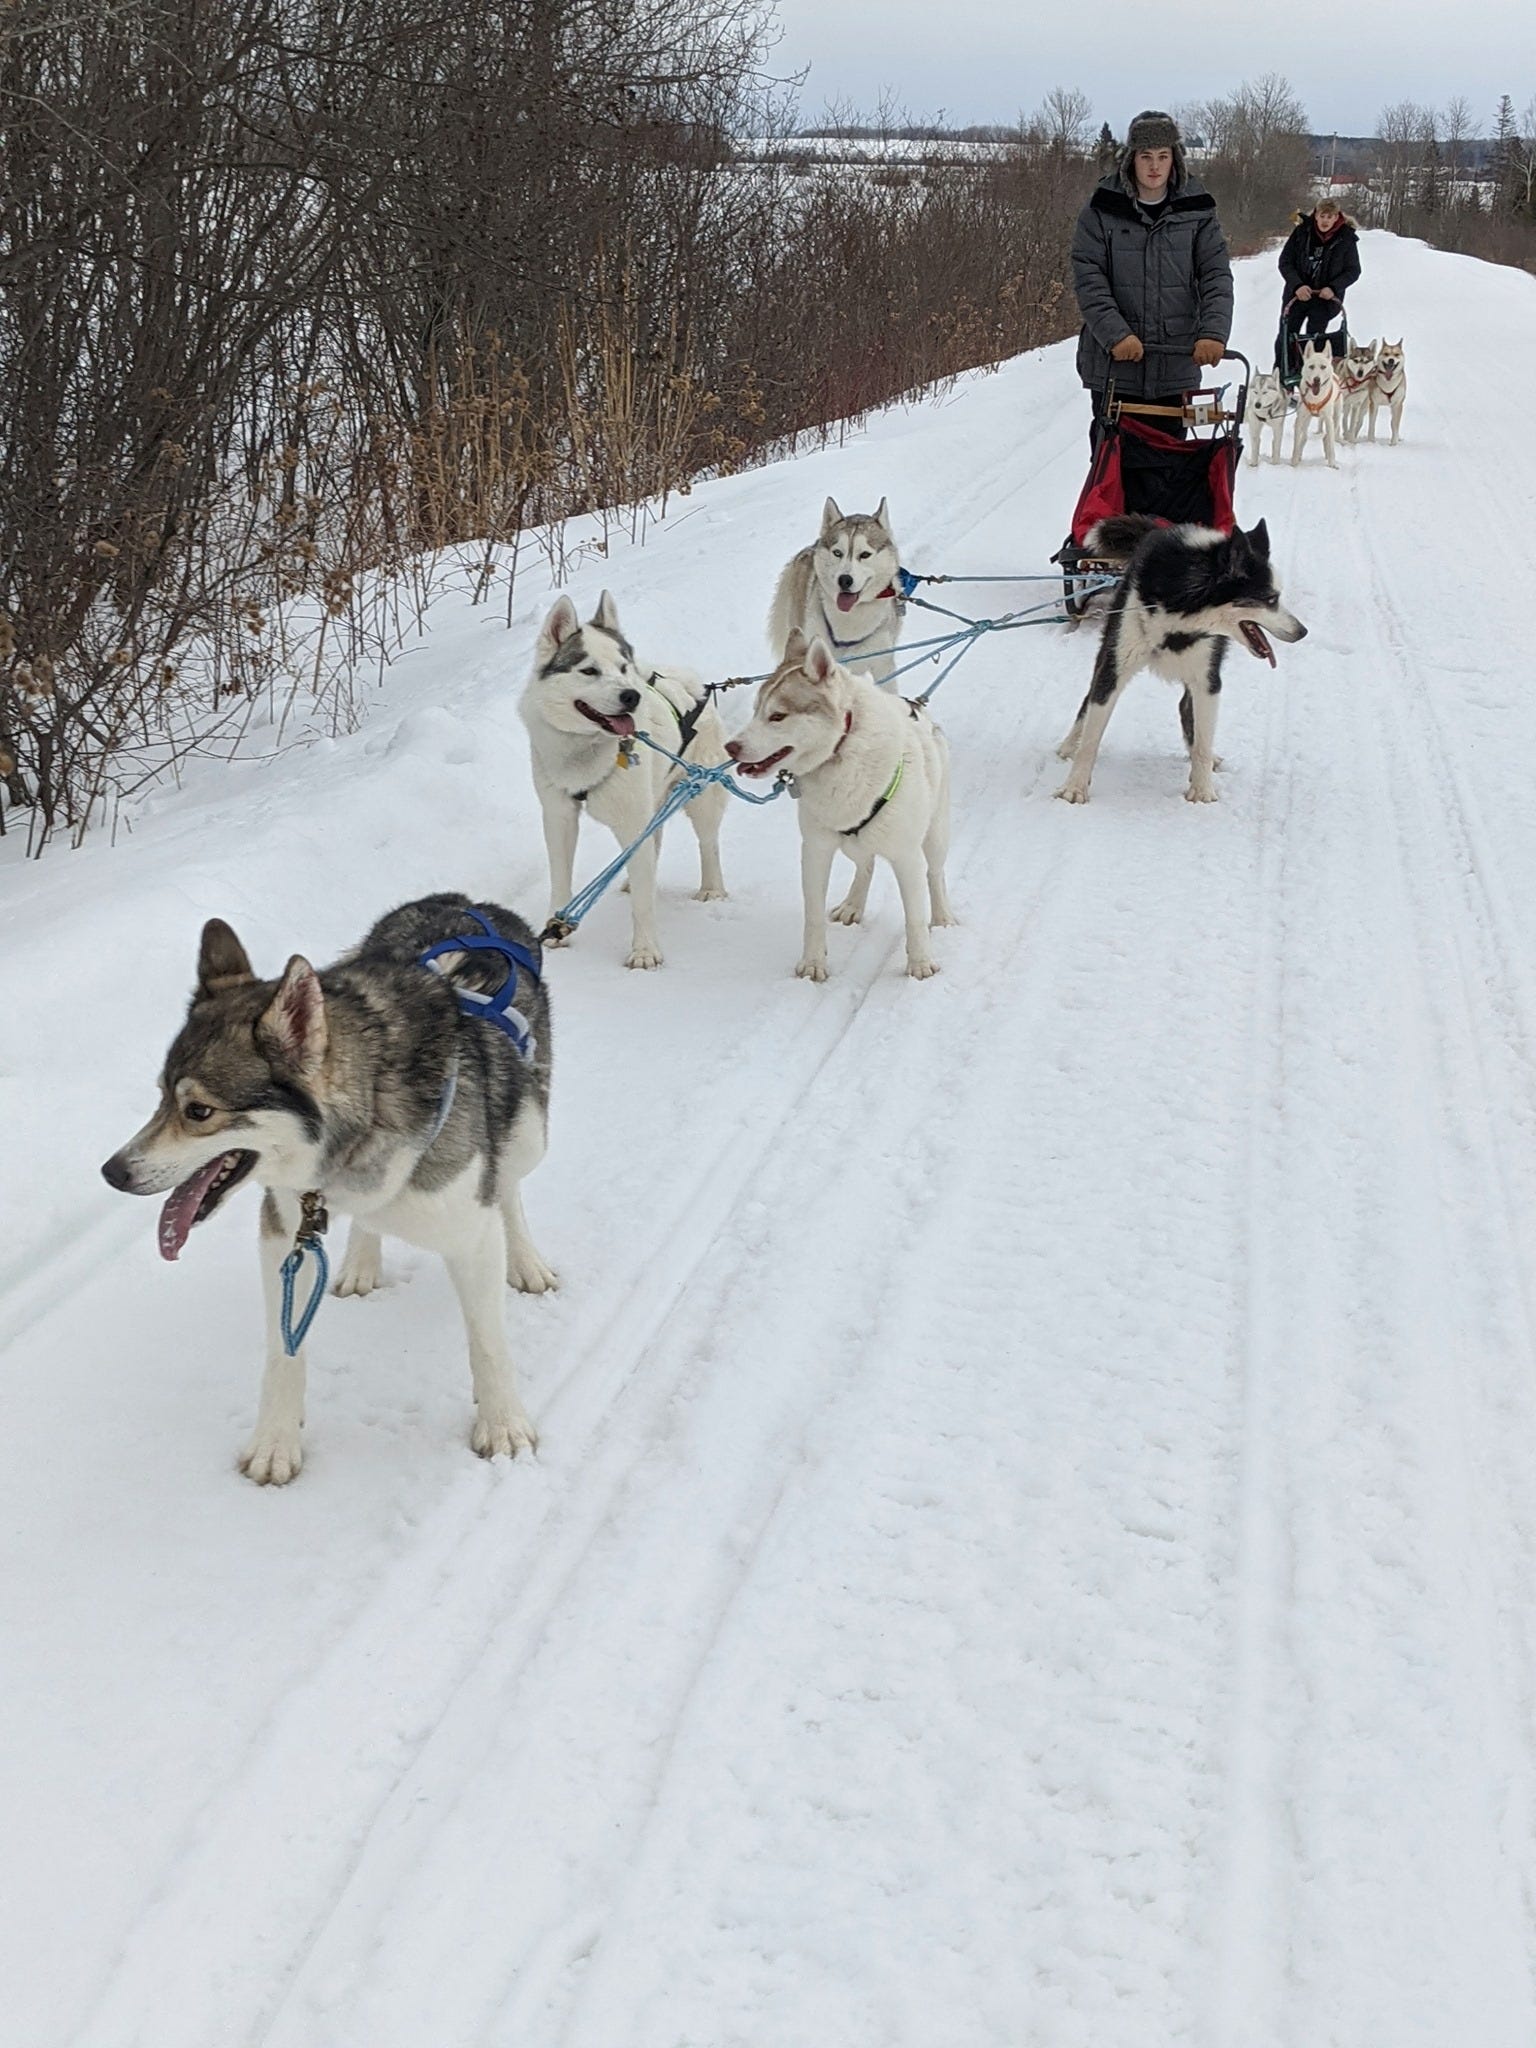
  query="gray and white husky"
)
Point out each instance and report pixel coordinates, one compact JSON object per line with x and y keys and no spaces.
{"x":1389,"y":387}
{"x":872,"y":775}
{"x":370,"y":1086}
{"x":1357,"y":369}
{"x":1185,"y":593}
{"x":586,"y":694}
{"x":1267,"y":407}
{"x":844,"y":590}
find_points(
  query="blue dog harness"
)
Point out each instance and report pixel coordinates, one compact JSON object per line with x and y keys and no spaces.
{"x":498,"y":1009}
{"x":510,"y":1021}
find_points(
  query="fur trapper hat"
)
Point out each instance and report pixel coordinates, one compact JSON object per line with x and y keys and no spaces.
{"x":1152,"y":129}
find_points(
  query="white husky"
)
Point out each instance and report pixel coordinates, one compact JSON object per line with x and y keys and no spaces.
{"x":1356,"y":372}
{"x":844,"y":590}
{"x":586,"y":694}
{"x":1317,"y":400}
{"x":872,"y":775}
{"x":1268,"y":404}
{"x":1389,"y":387}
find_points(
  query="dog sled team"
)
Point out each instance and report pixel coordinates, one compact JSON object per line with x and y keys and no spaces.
{"x":1336,"y":395}
{"x":407,"y":1085}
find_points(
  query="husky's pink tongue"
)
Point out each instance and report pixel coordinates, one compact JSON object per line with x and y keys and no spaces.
{"x":180,"y":1211}
{"x":846,"y":600}
{"x":1258,"y":642}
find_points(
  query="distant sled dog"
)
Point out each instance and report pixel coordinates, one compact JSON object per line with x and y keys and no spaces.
{"x":1185,"y":593}
{"x":1357,"y":371}
{"x":872,"y":775}
{"x":1267,"y":408}
{"x":587,"y":692}
{"x":844,"y":590}
{"x":1389,"y":387}
{"x":366,"y":1084}
{"x":1317,"y":401}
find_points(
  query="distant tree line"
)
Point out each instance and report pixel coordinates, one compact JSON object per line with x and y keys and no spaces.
{"x":1430,"y":175}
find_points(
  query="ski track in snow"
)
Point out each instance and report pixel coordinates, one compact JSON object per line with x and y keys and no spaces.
{"x":1032,"y":1540}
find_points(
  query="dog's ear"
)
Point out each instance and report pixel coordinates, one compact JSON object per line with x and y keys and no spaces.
{"x":556,"y":629}
{"x":883,"y":519}
{"x":795,"y":645}
{"x":221,"y":959}
{"x":819,"y":665}
{"x":607,"y":614}
{"x":292,"y":1029}
{"x":1258,"y":539}
{"x":830,"y":517}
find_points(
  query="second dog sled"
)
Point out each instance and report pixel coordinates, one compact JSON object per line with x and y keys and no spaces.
{"x":1141,"y":464}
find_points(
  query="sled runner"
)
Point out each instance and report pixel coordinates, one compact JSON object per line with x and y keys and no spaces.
{"x":1139,"y":465}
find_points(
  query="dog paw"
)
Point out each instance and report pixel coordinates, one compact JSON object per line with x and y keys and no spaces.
{"x":643,"y":956}
{"x":922,"y":970}
{"x":944,"y":922}
{"x":503,"y":1436}
{"x":846,"y":912}
{"x":1066,"y":750}
{"x":556,"y":938}
{"x":1070,"y":794}
{"x":528,"y":1273}
{"x":811,"y":970}
{"x":272,"y":1457}
{"x":359,"y":1275}
{"x":1204,"y":794}
{"x":709,"y":895}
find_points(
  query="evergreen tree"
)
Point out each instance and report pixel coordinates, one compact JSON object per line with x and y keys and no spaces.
{"x":1106,"y":149}
{"x":1432,"y":178}
{"x":1508,"y":161}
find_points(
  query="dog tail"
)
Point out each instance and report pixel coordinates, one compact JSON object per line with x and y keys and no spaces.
{"x":1117,"y":538}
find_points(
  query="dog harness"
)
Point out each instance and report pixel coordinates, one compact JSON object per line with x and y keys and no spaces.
{"x":498,"y":1009}
{"x":890,"y":590}
{"x":687,"y":729}
{"x":851,"y":831}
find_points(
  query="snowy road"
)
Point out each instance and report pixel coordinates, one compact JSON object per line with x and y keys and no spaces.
{"x":1034,"y":1540}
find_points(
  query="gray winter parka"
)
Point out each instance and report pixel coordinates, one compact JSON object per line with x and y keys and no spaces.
{"x":1166,"y":278}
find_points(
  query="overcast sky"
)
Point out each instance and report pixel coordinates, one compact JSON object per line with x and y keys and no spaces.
{"x":985,"y":60}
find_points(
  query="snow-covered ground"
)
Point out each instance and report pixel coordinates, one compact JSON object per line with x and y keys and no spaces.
{"x":1034,"y":1542}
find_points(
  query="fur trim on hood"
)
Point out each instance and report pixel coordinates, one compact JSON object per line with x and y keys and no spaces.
{"x":1345,"y":220}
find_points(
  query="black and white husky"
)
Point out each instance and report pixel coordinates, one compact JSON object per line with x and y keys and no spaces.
{"x":845,"y":590}
{"x":1185,"y":593}
{"x":411,"y":1092}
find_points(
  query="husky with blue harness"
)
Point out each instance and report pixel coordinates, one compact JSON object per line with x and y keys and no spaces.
{"x":408,"y":1086}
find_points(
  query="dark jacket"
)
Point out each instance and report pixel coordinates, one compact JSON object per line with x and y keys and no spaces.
{"x":1167,"y":279}
{"x":1312,"y":259}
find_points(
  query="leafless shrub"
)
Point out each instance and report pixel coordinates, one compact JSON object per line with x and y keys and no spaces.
{"x":297,"y":295}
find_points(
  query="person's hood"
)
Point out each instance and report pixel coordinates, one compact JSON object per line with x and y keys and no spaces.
{"x":1310,"y":219}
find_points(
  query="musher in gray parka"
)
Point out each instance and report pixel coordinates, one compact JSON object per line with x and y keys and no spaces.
{"x":1151,"y":272}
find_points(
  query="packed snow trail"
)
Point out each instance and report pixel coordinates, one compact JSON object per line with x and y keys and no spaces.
{"x":1033,"y":1536}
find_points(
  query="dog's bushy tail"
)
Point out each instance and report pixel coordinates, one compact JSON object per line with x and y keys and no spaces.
{"x":1117,"y":538}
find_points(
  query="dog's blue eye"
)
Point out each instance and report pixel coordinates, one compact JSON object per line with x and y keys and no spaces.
{"x":197,"y":1112}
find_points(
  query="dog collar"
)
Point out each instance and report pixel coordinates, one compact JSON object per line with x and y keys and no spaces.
{"x":889,"y":591}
